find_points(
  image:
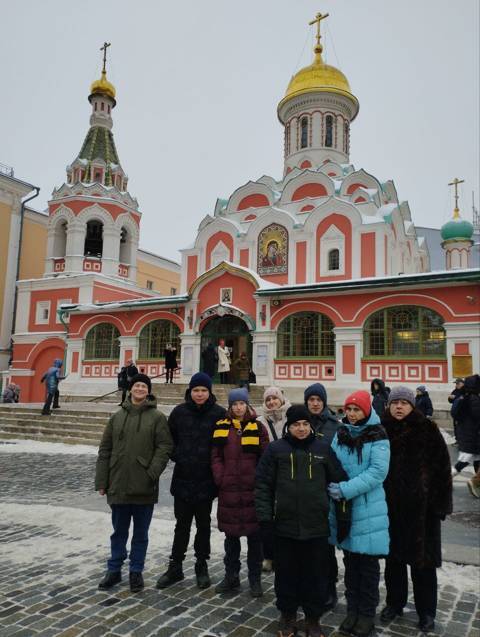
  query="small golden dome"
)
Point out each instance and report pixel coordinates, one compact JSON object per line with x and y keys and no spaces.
{"x":103,"y":87}
{"x":318,"y":77}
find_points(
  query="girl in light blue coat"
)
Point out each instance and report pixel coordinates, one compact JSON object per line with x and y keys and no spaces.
{"x":363,"y":449}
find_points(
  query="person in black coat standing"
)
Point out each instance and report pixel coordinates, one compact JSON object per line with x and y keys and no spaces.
{"x":124,"y":378}
{"x":192,"y":424}
{"x":423,"y":402}
{"x":170,"y":354}
{"x":324,"y":425}
{"x":210,"y":360}
{"x":458,"y":391}
{"x":466,"y":411}
{"x":379,"y":396}
{"x":419,"y":495}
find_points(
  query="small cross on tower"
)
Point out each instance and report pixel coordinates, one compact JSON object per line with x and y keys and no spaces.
{"x":104,"y":49}
{"x":318,"y":18}
{"x":455,"y":183}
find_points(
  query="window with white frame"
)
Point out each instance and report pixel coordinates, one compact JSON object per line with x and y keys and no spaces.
{"x":42,"y":312}
{"x":332,"y":252}
{"x":66,"y":317}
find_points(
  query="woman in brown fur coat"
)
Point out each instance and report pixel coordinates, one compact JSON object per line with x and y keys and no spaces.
{"x":419,"y":495}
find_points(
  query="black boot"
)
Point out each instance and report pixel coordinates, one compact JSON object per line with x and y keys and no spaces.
{"x":331,"y":600}
{"x":136,"y":582}
{"x":110,"y":579}
{"x":389,"y":613}
{"x":363,"y":626}
{"x":173,"y":574}
{"x":426,"y":623}
{"x":201,"y":572}
{"x":287,"y":625}
{"x":256,"y":589}
{"x":348,"y":623}
{"x":313,"y":628}
{"x":229,"y":584}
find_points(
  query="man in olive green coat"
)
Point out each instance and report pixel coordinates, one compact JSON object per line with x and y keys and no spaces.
{"x":133,"y":453}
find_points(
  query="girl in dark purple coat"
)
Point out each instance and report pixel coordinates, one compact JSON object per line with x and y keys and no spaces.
{"x":238,"y":443}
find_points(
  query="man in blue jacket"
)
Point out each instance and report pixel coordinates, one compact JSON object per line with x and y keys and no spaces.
{"x":52,"y":379}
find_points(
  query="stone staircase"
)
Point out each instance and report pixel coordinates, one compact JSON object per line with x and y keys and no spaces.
{"x":83,"y":423}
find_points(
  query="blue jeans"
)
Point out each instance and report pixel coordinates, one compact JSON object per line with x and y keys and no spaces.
{"x":121,"y":516}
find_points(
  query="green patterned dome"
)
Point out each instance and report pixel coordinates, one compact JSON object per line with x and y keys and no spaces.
{"x":456,"y":228}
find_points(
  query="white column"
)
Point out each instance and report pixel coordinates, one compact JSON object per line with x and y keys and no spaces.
{"x":462,"y":333}
{"x":131,"y":343}
{"x":75,"y":246}
{"x":189,"y":355}
{"x":111,"y":250}
{"x":264,"y":352}
{"x":348,"y":336}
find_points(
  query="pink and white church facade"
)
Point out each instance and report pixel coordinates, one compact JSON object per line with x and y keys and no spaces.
{"x":318,"y":275}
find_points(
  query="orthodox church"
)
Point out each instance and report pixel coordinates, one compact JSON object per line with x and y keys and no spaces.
{"x":318,"y":275}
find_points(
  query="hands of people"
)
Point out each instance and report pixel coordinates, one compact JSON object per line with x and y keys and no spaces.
{"x":102,"y":491}
{"x":334,"y":491}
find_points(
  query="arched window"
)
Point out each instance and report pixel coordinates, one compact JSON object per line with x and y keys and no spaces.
{"x":154,"y":338}
{"x":304,"y":132}
{"x":334,"y":259}
{"x":329,"y":131}
{"x":94,"y":239}
{"x":102,"y":343}
{"x":408,"y":330}
{"x":306,"y":335}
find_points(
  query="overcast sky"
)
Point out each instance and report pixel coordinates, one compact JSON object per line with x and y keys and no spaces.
{"x":198,"y":85}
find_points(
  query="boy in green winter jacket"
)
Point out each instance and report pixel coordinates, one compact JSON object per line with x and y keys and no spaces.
{"x":133,"y":453}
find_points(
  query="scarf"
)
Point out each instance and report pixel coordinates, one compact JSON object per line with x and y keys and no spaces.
{"x":249,"y":432}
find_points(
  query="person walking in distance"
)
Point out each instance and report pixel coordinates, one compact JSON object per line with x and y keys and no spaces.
{"x":466,"y":411}
{"x":192,"y":424}
{"x":52,"y":378}
{"x":124,"y":378}
{"x":133,"y":453}
{"x":170,"y":354}
{"x":224,"y":362}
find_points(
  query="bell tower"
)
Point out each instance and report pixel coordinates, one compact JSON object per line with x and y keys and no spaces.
{"x":316,"y":113}
{"x":94,"y":221}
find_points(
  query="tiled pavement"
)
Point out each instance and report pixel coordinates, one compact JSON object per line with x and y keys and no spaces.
{"x":53,"y":591}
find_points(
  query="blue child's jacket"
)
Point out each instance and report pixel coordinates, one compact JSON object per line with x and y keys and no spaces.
{"x":369,"y":528}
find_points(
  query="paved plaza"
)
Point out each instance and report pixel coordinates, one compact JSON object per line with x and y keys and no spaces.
{"x":54,"y":534}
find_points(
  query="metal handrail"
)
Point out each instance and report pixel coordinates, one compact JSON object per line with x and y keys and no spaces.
{"x":91,"y":400}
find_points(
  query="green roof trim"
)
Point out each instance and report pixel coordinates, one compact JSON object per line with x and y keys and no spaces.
{"x":99,"y":144}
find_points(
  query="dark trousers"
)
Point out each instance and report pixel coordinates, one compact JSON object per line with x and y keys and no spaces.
{"x":184,"y":513}
{"x":122,"y":514}
{"x":301,"y":575}
{"x":51,"y":396}
{"x":269,"y":546}
{"x":254,"y":556}
{"x":169,"y":374}
{"x":332,"y":571}
{"x":362,"y":579}
{"x":223,"y":378}
{"x":424,"y":582}
{"x":124,"y":393}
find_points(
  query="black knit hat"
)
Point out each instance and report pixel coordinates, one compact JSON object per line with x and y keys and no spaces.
{"x":296,"y":413}
{"x":142,"y":378}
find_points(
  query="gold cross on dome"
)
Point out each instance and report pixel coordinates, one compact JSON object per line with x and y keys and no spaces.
{"x":455,"y":183}
{"x":318,"y":18}
{"x":104,"y":49}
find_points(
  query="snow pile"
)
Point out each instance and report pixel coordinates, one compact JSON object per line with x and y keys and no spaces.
{"x":50,"y":448}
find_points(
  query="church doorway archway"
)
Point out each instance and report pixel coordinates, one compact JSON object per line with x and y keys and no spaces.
{"x":235,"y":333}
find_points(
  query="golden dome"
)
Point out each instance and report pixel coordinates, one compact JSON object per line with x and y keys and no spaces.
{"x":103,"y":87}
{"x":318,"y":77}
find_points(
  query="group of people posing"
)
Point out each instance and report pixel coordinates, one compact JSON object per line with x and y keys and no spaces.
{"x":296,"y":482}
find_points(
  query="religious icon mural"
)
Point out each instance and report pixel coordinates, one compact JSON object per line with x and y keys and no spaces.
{"x":272,"y":250}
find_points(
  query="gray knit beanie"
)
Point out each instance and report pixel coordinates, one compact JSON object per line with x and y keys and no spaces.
{"x":402,"y":393}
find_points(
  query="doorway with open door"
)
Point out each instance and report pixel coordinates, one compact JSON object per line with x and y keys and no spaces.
{"x":236,"y":334}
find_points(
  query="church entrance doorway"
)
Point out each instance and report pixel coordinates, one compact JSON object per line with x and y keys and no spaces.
{"x":234,"y":331}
